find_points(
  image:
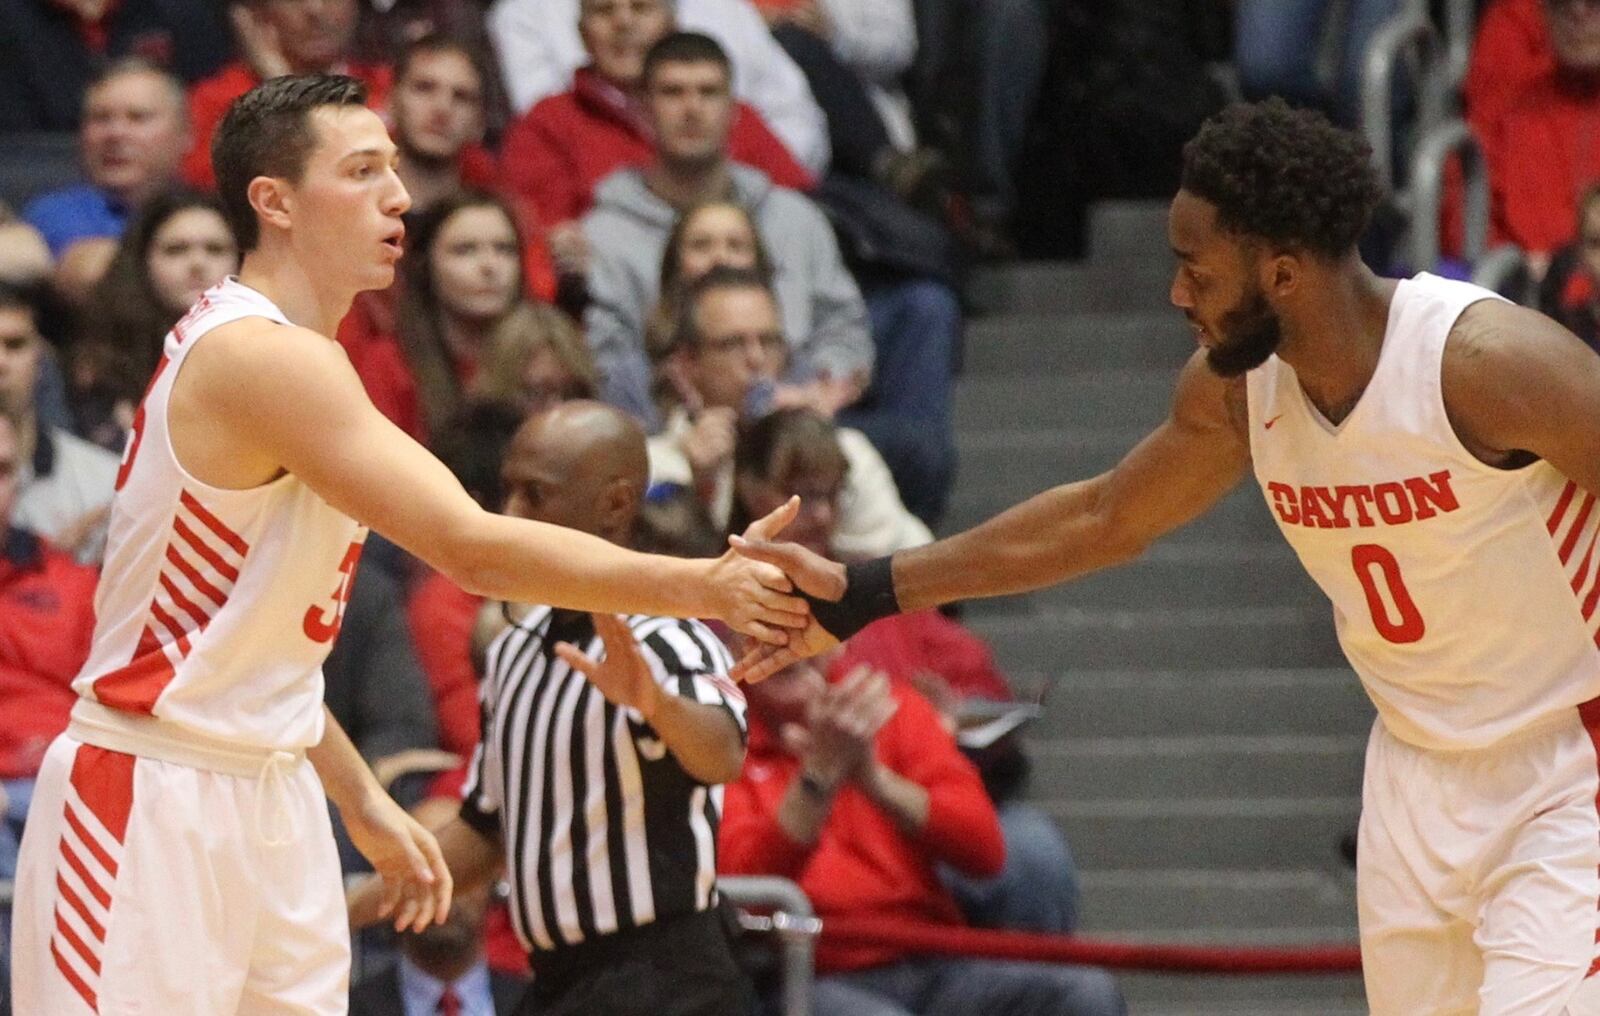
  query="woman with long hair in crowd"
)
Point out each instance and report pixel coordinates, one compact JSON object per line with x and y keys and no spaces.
{"x":464,"y":294}
{"x":707,"y":234}
{"x":179,"y":246}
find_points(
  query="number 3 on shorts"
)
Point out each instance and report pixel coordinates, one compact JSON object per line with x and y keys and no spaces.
{"x":1368,"y":558}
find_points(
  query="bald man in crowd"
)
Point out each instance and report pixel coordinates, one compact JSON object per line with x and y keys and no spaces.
{"x":597,"y":782}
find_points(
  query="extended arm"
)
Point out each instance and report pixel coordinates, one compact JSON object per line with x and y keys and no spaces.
{"x":294,"y":403}
{"x":1175,"y":474}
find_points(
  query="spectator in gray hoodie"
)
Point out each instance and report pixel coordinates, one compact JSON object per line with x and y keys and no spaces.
{"x":909,"y":327}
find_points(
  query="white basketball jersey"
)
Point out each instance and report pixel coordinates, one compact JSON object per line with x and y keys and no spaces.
{"x":1464,"y":595}
{"x":216,"y":607}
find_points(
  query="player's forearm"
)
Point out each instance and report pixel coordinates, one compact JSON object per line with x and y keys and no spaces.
{"x":703,"y":738}
{"x":1053,"y":536}
{"x":346,"y":777}
{"x":520,"y":561}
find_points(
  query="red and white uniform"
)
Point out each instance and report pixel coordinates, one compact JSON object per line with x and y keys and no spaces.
{"x":169,"y":822}
{"x":1465,"y":598}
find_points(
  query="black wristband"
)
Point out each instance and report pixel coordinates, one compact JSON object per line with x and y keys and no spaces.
{"x":868,"y":596}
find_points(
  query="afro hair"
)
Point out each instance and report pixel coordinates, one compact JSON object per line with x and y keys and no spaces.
{"x":1285,"y":176}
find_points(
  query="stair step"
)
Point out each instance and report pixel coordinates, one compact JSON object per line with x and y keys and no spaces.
{"x":1241,"y":516}
{"x":1097,"y":400}
{"x":1119,"y":904}
{"x":1132,"y":283}
{"x":1148,"y":768}
{"x":1268,"y":834}
{"x":1061,"y":639}
{"x":1033,"y":344}
{"x":1196,"y":703}
{"x":1291,"y":995}
{"x":1182,"y":570}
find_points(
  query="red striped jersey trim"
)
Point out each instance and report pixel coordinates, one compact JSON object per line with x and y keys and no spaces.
{"x":202,"y":548}
{"x":98,"y":804}
{"x":200,"y":566}
{"x":1577,"y":527}
{"x":1554,"y":522}
{"x":1574,"y":522}
{"x":84,"y":991}
{"x":216,"y":525}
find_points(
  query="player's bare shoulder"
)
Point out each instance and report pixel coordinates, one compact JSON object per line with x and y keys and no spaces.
{"x":1206,"y":401}
{"x":1503,"y":371}
{"x":236,"y":380}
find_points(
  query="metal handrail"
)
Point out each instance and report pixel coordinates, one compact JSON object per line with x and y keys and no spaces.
{"x":1504,"y":270}
{"x":1427,"y":194}
{"x":1408,"y":30}
{"x":1460,"y":26}
{"x":793,"y":922}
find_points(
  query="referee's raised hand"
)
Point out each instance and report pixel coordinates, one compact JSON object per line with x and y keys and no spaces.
{"x":622,"y":675}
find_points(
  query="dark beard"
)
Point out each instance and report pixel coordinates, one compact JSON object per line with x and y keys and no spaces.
{"x":1249,"y":334}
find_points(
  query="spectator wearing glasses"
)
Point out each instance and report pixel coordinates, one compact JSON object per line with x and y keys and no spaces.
{"x":723,"y":364}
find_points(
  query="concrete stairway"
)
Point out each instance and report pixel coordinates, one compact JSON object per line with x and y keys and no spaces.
{"x":1202,"y":739}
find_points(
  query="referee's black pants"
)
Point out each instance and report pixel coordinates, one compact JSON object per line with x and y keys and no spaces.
{"x":682,"y":966}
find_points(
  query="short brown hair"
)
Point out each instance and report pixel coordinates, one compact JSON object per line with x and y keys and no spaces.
{"x":685,"y":47}
{"x":267,"y":132}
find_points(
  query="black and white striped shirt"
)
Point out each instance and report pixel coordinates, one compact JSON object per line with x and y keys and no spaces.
{"x":604,"y":830}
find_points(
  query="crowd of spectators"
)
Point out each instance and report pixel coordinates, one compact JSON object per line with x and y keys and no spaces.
{"x":747,"y":223}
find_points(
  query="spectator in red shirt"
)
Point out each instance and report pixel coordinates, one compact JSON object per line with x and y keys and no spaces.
{"x":796,"y":453}
{"x":463,"y":293}
{"x":277,"y":37}
{"x":855,"y":790}
{"x":1545,"y":151}
{"x":46,"y":620}
{"x":1510,"y":51}
{"x":555,"y":154}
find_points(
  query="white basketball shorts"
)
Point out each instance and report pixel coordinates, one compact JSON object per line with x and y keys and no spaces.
{"x":150,"y":888}
{"x":1478,"y":874}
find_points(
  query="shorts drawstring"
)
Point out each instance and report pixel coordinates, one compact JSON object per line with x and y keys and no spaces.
{"x":274,"y":783}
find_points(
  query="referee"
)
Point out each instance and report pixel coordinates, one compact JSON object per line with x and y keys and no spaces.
{"x":597,"y":783}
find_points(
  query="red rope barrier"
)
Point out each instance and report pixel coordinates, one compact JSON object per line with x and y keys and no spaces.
{"x":1025,"y":945}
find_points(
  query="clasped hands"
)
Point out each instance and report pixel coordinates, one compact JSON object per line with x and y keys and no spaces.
{"x":764,"y":573}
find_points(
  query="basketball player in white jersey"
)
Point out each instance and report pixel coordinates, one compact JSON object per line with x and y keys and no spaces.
{"x":1432,"y":453}
{"x":177,"y":858}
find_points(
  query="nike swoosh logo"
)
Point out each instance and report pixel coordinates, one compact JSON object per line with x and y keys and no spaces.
{"x":1269,"y":423}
